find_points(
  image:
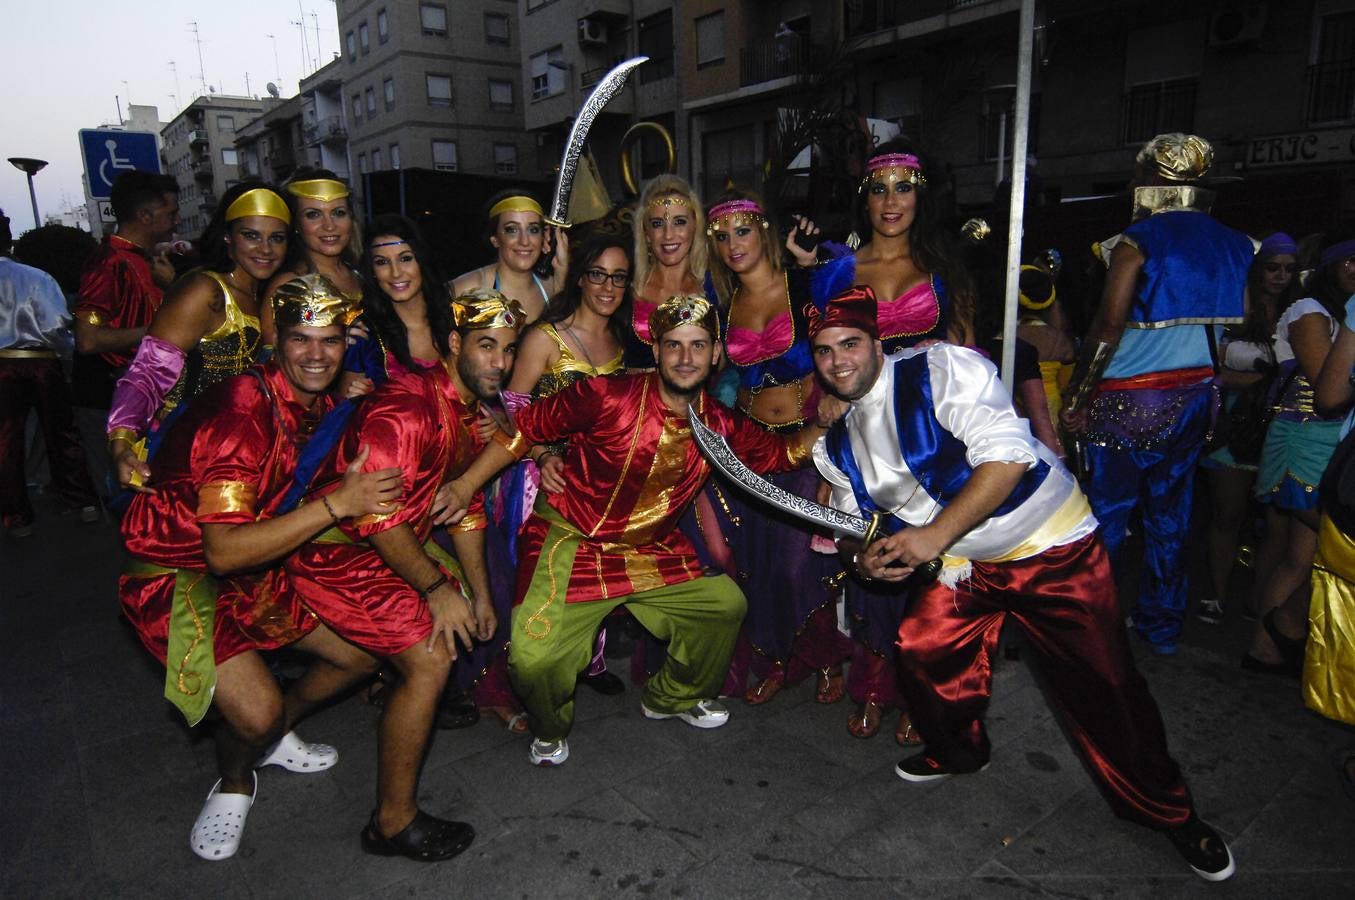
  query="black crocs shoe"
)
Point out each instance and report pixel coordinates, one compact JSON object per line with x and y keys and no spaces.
{"x":1203,"y":848}
{"x":426,"y":839}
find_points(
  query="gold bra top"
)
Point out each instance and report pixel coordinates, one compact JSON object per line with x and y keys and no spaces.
{"x":226,"y":350}
{"x":569,"y":368}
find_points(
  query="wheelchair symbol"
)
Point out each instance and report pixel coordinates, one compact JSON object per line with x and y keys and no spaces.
{"x":114,"y":163}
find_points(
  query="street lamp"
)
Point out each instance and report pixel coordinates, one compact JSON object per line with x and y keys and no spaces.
{"x":30,"y":167}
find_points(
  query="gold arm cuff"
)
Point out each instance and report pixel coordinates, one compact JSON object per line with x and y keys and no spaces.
{"x":123,"y":434}
{"x":378,"y":518}
{"x":516,"y":445}
{"x":470,"y":522}
{"x":226,"y":497}
{"x":90,"y":317}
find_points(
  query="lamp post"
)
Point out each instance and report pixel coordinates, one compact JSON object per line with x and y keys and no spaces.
{"x":30,"y":167}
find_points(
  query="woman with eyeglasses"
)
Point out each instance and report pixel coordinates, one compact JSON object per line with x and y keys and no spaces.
{"x":791,"y":623}
{"x":1299,"y":443}
{"x":1246,"y":369}
{"x":581,"y":335}
{"x":520,"y":237}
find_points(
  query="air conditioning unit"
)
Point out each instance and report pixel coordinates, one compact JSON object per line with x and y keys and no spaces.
{"x":1239,"y":26}
{"x":592,"y":31}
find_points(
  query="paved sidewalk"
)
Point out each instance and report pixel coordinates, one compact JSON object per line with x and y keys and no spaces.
{"x":100,"y":782}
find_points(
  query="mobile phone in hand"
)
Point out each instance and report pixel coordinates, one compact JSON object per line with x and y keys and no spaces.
{"x":806,"y":242}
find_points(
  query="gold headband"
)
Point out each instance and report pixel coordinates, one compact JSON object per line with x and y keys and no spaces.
{"x":314,"y":301}
{"x":892,"y":174}
{"x":671,"y":200}
{"x":680,"y":309}
{"x":322,"y":189}
{"x":258,"y":202}
{"x":516,"y":203}
{"x":487,"y":308}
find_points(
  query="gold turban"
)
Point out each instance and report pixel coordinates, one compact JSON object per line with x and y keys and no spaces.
{"x":312,"y":300}
{"x":322,"y":189}
{"x":258,"y":202}
{"x":679,"y":310}
{"x":487,"y":308}
{"x":1177,"y":157}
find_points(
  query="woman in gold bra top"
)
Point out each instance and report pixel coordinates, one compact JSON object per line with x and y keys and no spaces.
{"x":324,"y":240}
{"x":208,"y":327}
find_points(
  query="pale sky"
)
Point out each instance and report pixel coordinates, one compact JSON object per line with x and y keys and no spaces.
{"x":67,"y":64}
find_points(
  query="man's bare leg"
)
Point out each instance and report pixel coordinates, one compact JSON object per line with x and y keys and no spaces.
{"x":406,"y":726}
{"x":336,"y":666}
{"x":250,"y":704}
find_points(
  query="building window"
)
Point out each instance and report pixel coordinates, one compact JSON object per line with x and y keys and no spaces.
{"x":388,"y":91}
{"x":357,"y":107}
{"x":229,"y":157}
{"x":710,"y":39}
{"x":500,"y":94}
{"x":536,"y":4}
{"x":364,"y":38}
{"x":1151,"y":109}
{"x":433,"y":19}
{"x":1331,"y":78}
{"x":548,"y":73}
{"x":439,"y":90}
{"x":352,"y":41}
{"x":728,"y":156}
{"x":505,"y":159}
{"x":497,"y":29}
{"x":370,"y":94}
{"x":376,"y":159}
{"x":383,"y":28}
{"x":996,"y":104}
{"x":225,"y":123}
{"x":656,"y":42}
{"x":395,"y":156}
{"x":362,"y":163}
{"x":444,"y":156}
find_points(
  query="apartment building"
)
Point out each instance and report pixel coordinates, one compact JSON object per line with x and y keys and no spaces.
{"x":198,"y":149}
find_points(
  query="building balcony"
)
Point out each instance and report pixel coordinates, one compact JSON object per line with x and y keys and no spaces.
{"x":330,"y":129}
{"x":208,"y":201}
{"x":862,"y":17}
{"x":780,"y":57}
{"x":202,"y":169}
{"x":1331,"y":92}
{"x":198,"y":136}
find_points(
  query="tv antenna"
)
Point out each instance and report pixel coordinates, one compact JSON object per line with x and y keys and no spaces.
{"x":202,"y":69}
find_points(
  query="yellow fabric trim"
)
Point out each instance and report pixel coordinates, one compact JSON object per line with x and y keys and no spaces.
{"x":378,"y":518}
{"x":28,"y":354}
{"x":236,"y":320}
{"x":322,"y":189}
{"x":218,"y":497}
{"x":259,"y":202}
{"x":665,"y":471}
{"x":1329,"y":664}
{"x":1064,"y":520}
{"x":516,"y":445}
{"x":470,"y":522}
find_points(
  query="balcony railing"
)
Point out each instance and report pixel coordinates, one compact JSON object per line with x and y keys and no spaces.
{"x":202,"y":168}
{"x":330,"y":128}
{"x":862,"y":17}
{"x":197,"y":137}
{"x":1331,"y":92}
{"x":779,"y":57}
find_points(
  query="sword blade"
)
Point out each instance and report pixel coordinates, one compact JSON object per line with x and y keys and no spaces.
{"x":725,"y":461}
{"x":607,"y":88}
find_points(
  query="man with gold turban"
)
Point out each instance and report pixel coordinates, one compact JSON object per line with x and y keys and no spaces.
{"x":202,"y":587}
{"x":1143,"y":392}
{"x":381,"y":582}
{"x":611,"y":537}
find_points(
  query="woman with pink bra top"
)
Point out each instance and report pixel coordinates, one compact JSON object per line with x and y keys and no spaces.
{"x":669,"y":258}
{"x":791,"y":623}
{"x":922,"y":295}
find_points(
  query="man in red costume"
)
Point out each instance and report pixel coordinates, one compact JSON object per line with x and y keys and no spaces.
{"x":201,"y":535}
{"x":611,"y":536}
{"x":381,"y":582}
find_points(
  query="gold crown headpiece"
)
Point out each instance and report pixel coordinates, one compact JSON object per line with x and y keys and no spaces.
{"x":324,"y":190}
{"x":733,"y":213}
{"x":313,"y":300}
{"x":487,"y":308}
{"x":893,"y":167}
{"x":684,"y":309}
{"x":1178,"y":157}
{"x":258,"y":202}
{"x":516,"y":203}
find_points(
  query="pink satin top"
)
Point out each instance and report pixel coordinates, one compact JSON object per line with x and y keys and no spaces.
{"x":916,"y":311}
{"x":747,"y":346}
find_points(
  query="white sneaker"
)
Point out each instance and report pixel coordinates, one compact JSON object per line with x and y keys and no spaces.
{"x":548,"y":753}
{"x":295,"y":755}
{"x":705,"y":714}
{"x":1210,"y":612}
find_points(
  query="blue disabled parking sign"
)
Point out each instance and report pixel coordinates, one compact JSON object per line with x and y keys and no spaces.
{"x":109,"y":152}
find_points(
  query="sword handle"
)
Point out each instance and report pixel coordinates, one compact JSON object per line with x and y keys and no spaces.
{"x":923,"y":574}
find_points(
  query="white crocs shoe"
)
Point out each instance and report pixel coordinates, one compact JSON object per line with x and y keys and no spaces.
{"x":295,"y":755}
{"x":217,"y":832}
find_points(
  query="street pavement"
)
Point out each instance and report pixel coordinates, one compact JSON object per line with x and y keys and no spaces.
{"x":100,"y":782}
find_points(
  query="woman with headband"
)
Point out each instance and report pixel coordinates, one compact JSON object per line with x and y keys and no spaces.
{"x":325,"y":239}
{"x":1299,"y":443}
{"x":791,"y":622}
{"x":208,"y":327}
{"x":517,"y":231}
{"x":670,"y":261}
{"x":1246,"y":357}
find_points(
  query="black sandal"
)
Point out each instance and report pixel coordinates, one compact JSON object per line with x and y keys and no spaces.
{"x":426,"y":839}
{"x":1291,"y":649}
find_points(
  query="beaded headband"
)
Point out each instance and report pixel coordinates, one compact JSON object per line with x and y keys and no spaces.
{"x":258,"y":202}
{"x":670,"y":200}
{"x":516,"y":203}
{"x":312,"y":300}
{"x":684,"y":309}
{"x":736,"y":212}
{"x":893,"y":167}
{"x":487,"y":308}
{"x":324,"y":190}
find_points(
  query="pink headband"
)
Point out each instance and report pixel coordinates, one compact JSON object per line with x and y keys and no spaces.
{"x":892,"y":160}
{"x":748,"y":207}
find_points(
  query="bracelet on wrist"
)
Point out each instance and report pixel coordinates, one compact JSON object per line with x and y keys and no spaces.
{"x":123,"y":434}
{"x":442,"y":579}
{"x":330,"y":509}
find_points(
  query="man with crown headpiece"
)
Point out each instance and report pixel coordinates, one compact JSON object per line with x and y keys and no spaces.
{"x":381,"y":582}
{"x":203,"y":587}
{"x":1143,"y":393}
{"x":933,"y":450}
{"x":611,"y":536}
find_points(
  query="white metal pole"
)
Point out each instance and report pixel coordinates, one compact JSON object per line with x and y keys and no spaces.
{"x":1020,"y":139}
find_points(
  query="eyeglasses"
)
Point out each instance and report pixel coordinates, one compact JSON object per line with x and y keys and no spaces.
{"x":597,"y":276}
